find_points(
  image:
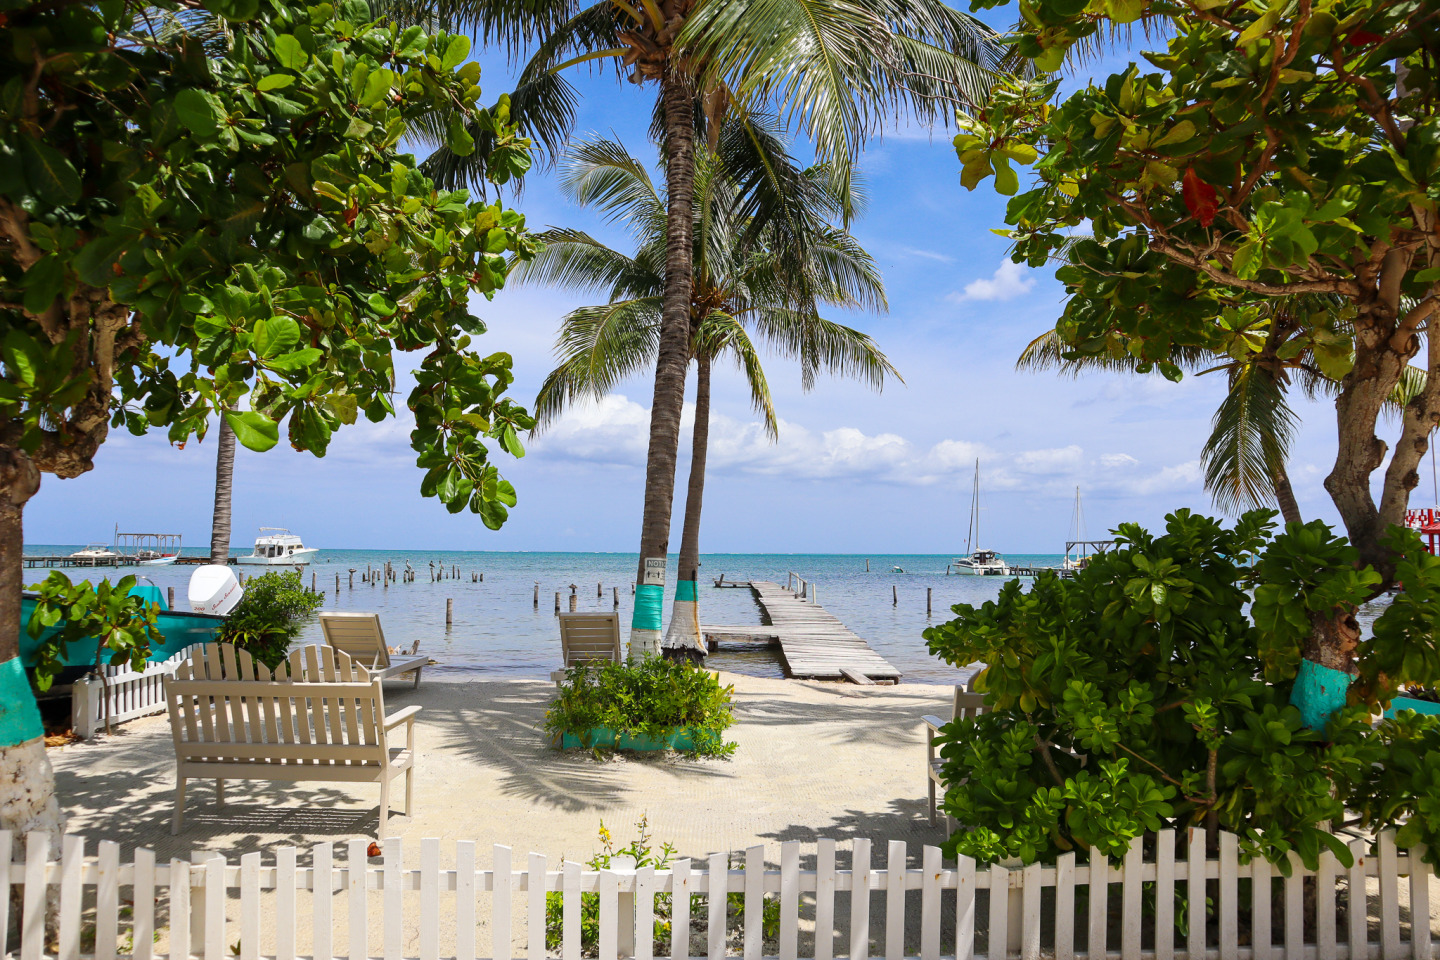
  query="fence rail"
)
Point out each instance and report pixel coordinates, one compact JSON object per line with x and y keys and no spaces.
{"x":131,"y":694}
{"x":1136,"y":909}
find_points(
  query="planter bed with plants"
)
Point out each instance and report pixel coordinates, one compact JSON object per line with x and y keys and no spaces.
{"x":642,"y":705}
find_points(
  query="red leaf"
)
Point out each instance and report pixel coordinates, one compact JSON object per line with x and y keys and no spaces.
{"x":373,"y":850}
{"x":1200,"y":198}
{"x":1363,"y":38}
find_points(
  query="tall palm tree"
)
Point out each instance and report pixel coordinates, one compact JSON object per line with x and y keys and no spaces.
{"x":744,"y":281}
{"x":834,"y":70}
{"x":224,"y":484}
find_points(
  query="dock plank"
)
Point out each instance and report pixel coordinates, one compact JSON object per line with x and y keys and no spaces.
{"x":813,"y":641}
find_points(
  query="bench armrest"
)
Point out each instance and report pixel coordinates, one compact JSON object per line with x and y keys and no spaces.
{"x":934,"y":723}
{"x":401,"y":716}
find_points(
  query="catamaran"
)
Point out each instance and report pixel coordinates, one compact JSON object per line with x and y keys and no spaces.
{"x":278,"y":547}
{"x":979,"y":563}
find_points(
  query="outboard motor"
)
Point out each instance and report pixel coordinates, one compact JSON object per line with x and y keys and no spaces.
{"x":214,"y":590}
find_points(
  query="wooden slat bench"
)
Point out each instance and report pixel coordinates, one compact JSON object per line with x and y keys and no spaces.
{"x":283,"y":727}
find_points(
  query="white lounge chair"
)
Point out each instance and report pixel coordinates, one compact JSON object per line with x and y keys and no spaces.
{"x":360,"y":635}
{"x":588,"y":638}
{"x":967,"y":704}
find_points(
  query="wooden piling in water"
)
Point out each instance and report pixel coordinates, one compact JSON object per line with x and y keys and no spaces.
{"x":599,"y":591}
{"x":537,"y":594}
{"x":449,"y":611}
{"x":927,"y":601}
{"x":557,"y":601}
{"x":617,"y":597}
{"x":337,"y":583}
{"x":170,"y":592}
{"x":867,"y":565}
{"x":894,"y":596}
{"x":352,"y":578}
{"x":572,"y":603}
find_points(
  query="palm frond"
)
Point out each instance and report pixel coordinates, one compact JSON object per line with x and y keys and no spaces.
{"x":721,"y":334}
{"x":1249,"y":439}
{"x":575,"y":260}
{"x":598,"y":348}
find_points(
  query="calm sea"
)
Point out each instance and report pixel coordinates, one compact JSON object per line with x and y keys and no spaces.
{"x":497,"y":630}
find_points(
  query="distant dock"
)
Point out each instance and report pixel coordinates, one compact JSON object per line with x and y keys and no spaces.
{"x":814,"y":644}
{"x":69,"y":561}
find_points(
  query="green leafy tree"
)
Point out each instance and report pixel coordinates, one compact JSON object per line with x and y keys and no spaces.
{"x":1272,"y":151}
{"x":769,"y":283}
{"x":270,"y":615}
{"x":834,"y":70}
{"x":183,"y":228}
{"x":1151,"y":691}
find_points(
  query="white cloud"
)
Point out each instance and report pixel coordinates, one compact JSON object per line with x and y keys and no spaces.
{"x":1009,"y":281}
{"x":615,"y":432}
{"x":927,"y":254}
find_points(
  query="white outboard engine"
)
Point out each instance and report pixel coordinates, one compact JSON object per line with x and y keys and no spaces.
{"x":214,"y":590}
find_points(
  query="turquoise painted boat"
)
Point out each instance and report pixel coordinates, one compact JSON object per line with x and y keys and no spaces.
{"x":1410,"y":703}
{"x":179,"y":630}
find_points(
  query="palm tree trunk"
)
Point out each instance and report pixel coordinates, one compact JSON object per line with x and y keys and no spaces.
{"x":1285,"y":495}
{"x":224,"y":484}
{"x":27,"y":782}
{"x":670,"y":365}
{"x":684,"y":629}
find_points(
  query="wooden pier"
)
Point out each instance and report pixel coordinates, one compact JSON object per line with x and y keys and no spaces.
{"x":813,"y":642}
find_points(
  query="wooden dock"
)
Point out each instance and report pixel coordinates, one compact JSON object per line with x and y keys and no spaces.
{"x":813,"y":642}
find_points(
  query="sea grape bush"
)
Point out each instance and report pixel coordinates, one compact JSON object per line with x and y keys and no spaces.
{"x":270,"y":615}
{"x":122,"y":624}
{"x":211,"y":213}
{"x":650,"y":696}
{"x":1149,"y":691}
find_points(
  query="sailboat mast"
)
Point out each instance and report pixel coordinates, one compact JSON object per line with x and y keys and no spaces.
{"x":975,"y":507}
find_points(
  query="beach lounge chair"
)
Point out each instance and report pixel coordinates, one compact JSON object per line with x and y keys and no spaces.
{"x":360,"y":635}
{"x":588,"y":638}
{"x":967,"y":704}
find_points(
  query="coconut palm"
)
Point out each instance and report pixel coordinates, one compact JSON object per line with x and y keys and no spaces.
{"x":1246,"y":454}
{"x":748,"y":285}
{"x":834,"y":70}
{"x":224,"y":484}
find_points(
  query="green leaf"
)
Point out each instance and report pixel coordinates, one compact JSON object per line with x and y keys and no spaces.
{"x":275,"y":81}
{"x":276,"y":336}
{"x":199,"y":111}
{"x":380,"y":304}
{"x":458,"y":138}
{"x":49,"y":172}
{"x":43,"y":282}
{"x":295,"y":361}
{"x":289,"y":52}
{"x":254,"y":430}
{"x":1179,"y":133}
{"x":455,"y":52}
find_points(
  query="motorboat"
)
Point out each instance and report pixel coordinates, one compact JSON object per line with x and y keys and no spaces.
{"x":161,"y":561}
{"x":978,"y":563}
{"x":278,"y":547}
{"x":95,"y":551}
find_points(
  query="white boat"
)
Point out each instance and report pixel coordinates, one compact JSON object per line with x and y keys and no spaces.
{"x":161,"y":561}
{"x":979,"y":563}
{"x":278,"y":547}
{"x":95,"y":551}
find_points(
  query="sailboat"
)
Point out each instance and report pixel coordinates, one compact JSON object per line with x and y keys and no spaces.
{"x":980,"y":563}
{"x":1078,"y":561}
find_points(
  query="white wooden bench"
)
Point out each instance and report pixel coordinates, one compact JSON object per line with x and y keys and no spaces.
{"x":966,"y":704}
{"x":323,"y":721}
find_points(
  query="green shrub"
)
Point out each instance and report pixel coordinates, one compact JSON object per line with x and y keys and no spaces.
{"x":650,"y":697}
{"x":1150,"y":692}
{"x":270,"y":615}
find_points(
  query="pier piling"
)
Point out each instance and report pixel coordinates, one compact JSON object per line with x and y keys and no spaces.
{"x":170,"y":592}
{"x":537,"y":594}
{"x":894,"y":596}
{"x":557,"y":601}
{"x":617,"y":597}
{"x":312,"y":581}
{"x":927,"y":601}
{"x":449,"y":611}
{"x":599,"y":591}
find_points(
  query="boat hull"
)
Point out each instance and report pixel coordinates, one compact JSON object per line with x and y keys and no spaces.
{"x":299,"y":557}
{"x":179,"y":629}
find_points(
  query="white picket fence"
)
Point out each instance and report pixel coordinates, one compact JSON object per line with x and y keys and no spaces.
{"x":218,"y":909}
{"x":131,"y":694}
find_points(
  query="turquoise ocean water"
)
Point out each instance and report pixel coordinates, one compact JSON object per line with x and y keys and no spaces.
{"x":497,"y":630}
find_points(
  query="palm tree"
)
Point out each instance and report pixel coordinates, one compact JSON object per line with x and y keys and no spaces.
{"x":224,"y":482}
{"x":1246,"y":455}
{"x":833,"y":69}
{"x":744,"y":282}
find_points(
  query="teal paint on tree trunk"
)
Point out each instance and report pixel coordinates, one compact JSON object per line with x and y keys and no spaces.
{"x":1318,"y":692}
{"x":649,"y":606}
{"x":19,"y":716}
{"x":685,"y":590}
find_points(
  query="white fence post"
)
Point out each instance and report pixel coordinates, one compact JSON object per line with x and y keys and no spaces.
{"x":269,"y":885}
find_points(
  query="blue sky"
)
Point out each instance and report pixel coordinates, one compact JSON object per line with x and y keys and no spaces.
{"x":852,"y":472}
